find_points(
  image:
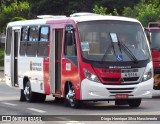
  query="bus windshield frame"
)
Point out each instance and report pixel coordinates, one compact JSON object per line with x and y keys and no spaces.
{"x":96,"y":38}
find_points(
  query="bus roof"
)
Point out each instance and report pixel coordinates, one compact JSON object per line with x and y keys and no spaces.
{"x":74,"y":18}
{"x":101,"y":17}
{"x":152,"y":28}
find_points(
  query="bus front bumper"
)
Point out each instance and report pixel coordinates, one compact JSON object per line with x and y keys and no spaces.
{"x":97,"y":91}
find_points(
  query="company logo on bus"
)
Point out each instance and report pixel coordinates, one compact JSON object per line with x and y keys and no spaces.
{"x":120,"y":67}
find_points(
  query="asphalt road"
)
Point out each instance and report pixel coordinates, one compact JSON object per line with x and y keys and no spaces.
{"x":10,"y":105}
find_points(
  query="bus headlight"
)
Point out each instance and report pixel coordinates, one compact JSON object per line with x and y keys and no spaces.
{"x":147,"y":75}
{"x":90,"y":76}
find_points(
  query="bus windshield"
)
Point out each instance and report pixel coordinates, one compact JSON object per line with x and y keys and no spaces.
{"x":105,"y":40}
{"x":155,"y":44}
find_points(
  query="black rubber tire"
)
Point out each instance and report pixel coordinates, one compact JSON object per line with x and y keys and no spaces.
{"x":73,"y":103}
{"x":134,"y":102}
{"x":22,"y":96}
{"x":29,"y":95}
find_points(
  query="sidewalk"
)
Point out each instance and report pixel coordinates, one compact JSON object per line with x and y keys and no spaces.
{"x":1,"y":68}
{"x":1,"y":74}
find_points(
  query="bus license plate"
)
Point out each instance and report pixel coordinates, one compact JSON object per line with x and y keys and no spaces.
{"x":121,"y":96}
{"x":131,"y":74}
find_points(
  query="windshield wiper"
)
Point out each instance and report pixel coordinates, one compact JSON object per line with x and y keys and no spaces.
{"x":127,"y":51}
{"x":107,"y":50}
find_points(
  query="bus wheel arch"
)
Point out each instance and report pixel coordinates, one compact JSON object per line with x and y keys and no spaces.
{"x":22,"y":95}
{"x":31,"y":96}
{"x":69,"y":92}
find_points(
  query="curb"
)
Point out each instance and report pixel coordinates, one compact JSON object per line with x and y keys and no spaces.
{"x":2,"y":80}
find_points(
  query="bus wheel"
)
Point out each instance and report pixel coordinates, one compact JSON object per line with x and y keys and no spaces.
{"x":22,"y":96}
{"x":134,"y":102}
{"x":29,"y":95}
{"x":71,"y":98}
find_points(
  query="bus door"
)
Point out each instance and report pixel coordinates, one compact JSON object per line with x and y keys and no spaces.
{"x":14,"y":56}
{"x":55,"y":61}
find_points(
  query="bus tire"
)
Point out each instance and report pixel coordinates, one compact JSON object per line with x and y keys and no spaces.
{"x":134,"y":102}
{"x":22,"y":96}
{"x":70,"y":98}
{"x":29,"y":95}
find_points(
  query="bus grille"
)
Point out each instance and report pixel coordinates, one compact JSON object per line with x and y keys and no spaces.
{"x":124,"y":81}
{"x":120,"y":90}
{"x":131,"y":79}
{"x":110,"y":79}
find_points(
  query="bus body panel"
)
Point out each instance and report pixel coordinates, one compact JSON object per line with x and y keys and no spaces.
{"x":70,"y":74}
{"x":7,"y":70}
{"x":97,"y":90}
{"x":45,"y":78}
{"x":32,"y":68}
{"x":154,"y":30}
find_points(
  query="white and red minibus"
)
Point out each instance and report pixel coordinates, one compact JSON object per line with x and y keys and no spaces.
{"x":79,"y":58}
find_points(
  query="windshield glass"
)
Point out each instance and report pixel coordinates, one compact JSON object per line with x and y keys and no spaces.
{"x":155,"y":35}
{"x":100,"y":41}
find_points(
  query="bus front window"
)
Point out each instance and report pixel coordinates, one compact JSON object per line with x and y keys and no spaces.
{"x":155,"y":44}
{"x":98,"y":42}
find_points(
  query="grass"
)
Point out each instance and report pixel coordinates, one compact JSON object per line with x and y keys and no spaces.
{"x":1,"y":57}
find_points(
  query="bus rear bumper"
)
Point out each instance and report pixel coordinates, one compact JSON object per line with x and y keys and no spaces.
{"x":97,"y":91}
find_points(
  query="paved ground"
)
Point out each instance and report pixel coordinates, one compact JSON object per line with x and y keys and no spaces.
{"x":1,"y":75}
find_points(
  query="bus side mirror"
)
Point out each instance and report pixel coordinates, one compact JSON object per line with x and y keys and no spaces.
{"x":148,"y":34}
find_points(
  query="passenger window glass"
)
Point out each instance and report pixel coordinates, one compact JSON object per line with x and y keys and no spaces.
{"x":43,"y":43}
{"x":32,"y":43}
{"x":44,"y":34}
{"x":23,"y":42}
{"x":8,"y":41}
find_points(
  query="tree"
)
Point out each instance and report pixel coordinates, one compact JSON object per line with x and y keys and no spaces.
{"x":118,"y":5}
{"x":145,"y":11}
{"x":99,"y":10}
{"x":62,"y":7}
{"x":20,"y":10}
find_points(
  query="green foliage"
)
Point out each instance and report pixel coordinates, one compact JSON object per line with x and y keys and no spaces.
{"x":144,"y":12}
{"x":111,"y":5}
{"x":1,"y":57}
{"x":20,"y":10}
{"x":62,"y":7}
{"x":150,"y":14}
{"x":17,"y":19}
{"x":115,"y":12}
{"x":99,"y":10}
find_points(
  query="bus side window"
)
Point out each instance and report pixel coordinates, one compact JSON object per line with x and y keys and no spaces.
{"x":23,"y":42}
{"x":43,"y":42}
{"x":70,"y":44}
{"x":32,"y":41}
{"x":8,"y":41}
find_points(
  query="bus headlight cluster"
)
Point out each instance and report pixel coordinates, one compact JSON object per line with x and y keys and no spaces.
{"x":147,"y":75}
{"x":90,"y":76}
